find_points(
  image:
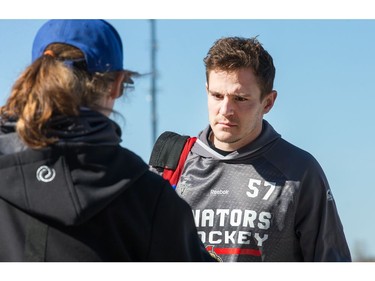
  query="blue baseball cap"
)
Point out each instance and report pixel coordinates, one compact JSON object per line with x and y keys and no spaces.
{"x":97,"y":39}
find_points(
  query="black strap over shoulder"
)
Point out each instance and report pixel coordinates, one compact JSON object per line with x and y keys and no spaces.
{"x":167,"y":150}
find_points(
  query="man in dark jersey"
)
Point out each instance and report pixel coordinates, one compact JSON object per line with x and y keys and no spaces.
{"x":255,"y":197}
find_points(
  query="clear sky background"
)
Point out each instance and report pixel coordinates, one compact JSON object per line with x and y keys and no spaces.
{"x":325,"y":73}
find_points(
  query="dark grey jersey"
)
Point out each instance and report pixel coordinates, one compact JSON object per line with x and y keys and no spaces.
{"x":268,"y":201}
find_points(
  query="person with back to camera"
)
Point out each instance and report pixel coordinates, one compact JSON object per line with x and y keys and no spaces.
{"x":255,"y":197}
{"x":69,"y":191}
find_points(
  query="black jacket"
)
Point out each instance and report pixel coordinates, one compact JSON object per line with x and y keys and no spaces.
{"x":88,"y":199}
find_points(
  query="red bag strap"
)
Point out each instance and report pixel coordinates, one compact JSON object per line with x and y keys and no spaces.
{"x":174,"y":175}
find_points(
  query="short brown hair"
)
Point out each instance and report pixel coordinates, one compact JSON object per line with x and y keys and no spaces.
{"x":233,"y":53}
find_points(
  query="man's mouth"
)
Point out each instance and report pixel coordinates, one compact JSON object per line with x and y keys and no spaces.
{"x":226,"y":124}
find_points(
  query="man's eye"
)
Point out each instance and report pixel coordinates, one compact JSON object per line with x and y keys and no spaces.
{"x":217,"y":96}
{"x":240,"y":99}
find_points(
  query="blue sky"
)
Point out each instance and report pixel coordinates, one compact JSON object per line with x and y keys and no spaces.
{"x":324,"y":78}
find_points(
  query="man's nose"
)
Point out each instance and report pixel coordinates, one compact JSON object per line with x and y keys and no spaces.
{"x":226,"y":107}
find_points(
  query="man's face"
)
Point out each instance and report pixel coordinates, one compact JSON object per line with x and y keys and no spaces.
{"x":235,"y":108}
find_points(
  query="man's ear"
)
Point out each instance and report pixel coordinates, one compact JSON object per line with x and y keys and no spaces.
{"x":269,"y":101}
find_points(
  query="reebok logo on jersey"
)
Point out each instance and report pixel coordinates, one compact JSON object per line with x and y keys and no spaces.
{"x":219,"y":191}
